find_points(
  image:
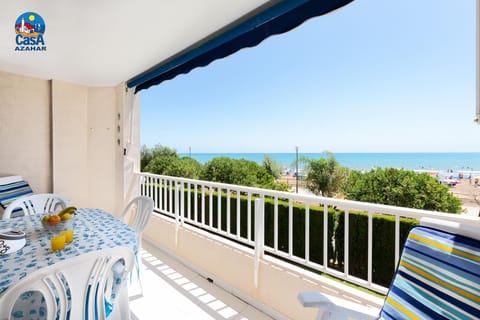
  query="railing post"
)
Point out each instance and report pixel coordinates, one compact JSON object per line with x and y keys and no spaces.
{"x":150,"y":185}
{"x":370,"y":248}
{"x":176,"y":209}
{"x":346,"y":244}
{"x":170,"y":187}
{"x":141,"y":184}
{"x":397,"y":239}
{"x":249,"y":216}
{"x":325,"y":237}
{"x":181,"y":191}
{"x":259,"y":237}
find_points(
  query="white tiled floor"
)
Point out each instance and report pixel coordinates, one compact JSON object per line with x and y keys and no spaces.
{"x":172,"y":291}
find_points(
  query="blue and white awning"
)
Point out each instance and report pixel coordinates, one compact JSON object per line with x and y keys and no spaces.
{"x":275,"y":19}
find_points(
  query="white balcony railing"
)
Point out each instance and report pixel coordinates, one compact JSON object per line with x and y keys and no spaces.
{"x":192,"y":202}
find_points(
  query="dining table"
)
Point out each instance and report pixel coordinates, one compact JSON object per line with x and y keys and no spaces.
{"x":94,"y":229}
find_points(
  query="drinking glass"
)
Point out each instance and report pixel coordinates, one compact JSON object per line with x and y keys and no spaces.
{"x":58,"y":242}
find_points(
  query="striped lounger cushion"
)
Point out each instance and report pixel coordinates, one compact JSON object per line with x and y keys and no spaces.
{"x":12,"y":191}
{"x":438,"y":278}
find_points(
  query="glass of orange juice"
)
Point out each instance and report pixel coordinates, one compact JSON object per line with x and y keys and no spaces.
{"x":58,"y":242}
{"x":68,"y":235}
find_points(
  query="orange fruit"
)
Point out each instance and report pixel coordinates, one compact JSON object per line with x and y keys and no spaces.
{"x":54,"y":220}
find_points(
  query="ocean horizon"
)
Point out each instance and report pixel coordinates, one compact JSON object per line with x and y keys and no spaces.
{"x":441,"y":161}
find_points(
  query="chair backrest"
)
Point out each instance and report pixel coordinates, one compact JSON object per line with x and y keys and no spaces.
{"x":12,"y":188}
{"x":438,"y":274}
{"x":143,"y":211}
{"x":90,"y":286}
{"x":37,"y":203}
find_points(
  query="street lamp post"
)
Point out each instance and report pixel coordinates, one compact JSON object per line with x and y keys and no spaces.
{"x":296,"y":170}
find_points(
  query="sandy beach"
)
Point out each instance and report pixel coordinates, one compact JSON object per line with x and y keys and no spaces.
{"x":467,"y":192}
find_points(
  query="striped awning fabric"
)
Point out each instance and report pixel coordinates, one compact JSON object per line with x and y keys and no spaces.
{"x":438,"y":277}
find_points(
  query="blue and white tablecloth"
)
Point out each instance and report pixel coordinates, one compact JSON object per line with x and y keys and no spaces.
{"x":94,"y":229}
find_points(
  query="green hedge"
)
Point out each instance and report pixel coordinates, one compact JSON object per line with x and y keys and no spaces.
{"x":383,"y":251}
{"x":315,"y":229}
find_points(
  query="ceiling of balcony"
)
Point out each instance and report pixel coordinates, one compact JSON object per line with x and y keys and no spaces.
{"x":102,"y":43}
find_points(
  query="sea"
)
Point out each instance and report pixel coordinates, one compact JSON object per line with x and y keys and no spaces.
{"x":447,"y":162}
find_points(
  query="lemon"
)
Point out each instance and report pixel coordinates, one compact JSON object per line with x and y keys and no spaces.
{"x":66,"y":216}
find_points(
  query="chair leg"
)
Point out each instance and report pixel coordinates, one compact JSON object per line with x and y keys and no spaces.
{"x":139,"y":278}
{"x":135,"y":274}
{"x":123,"y":306}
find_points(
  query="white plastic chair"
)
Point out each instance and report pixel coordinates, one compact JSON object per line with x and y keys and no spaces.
{"x":143,"y":211}
{"x":429,"y":258}
{"x":37,"y":203}
{"x":90,"y":286}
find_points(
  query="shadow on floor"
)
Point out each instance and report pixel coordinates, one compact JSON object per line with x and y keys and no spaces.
{"x":172,"y":291}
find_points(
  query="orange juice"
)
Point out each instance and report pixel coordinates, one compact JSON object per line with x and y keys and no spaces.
{"x":68,"y":235}
{"x":58,"y":242}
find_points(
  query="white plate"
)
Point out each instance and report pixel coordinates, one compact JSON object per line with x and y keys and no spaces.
{"x":11,"y":241}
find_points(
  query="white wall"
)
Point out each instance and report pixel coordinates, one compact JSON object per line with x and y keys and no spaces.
{"x":69,"y":132}
{"x":64,"y":138}
{"x":87,"y":165}
{"x":131,"y":142}
{"x":103,"y":150}
{"x":25,"y":145}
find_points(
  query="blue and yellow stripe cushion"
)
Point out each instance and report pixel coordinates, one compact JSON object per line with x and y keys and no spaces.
{"x":438,"y":277}
{"x":12,"y":191}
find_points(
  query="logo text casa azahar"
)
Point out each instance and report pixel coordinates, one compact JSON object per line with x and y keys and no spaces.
{"x":29,"y":29}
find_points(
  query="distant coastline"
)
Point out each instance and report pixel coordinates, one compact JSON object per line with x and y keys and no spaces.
{"x":444,"y":161}
{"x":464,"y":167}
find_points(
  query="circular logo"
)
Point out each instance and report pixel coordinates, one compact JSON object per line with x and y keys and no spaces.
{"x":30,"y":24}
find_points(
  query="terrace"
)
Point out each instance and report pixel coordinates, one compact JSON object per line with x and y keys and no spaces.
{"x":245,"y":255}
{"x":70,"y":125}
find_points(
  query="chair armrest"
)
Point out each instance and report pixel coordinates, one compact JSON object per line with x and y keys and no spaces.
{"x":336,"y":308}
{"x":10,"y":179}
{"x":467,"y":229}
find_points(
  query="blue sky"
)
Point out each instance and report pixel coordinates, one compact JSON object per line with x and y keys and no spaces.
{"x":375,"y":76}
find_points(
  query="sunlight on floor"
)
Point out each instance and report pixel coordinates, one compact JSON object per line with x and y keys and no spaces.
{"x":172,"y":291}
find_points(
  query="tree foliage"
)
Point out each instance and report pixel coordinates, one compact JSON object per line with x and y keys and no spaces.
{"x":241,"y":172}
{"x":147,"y":155}
{"x":325,"y":176}
{"x":166,"y":161}
{"x":403,"y":188}
{"x":218,"y":170}
{"x":163,"y":151}
{"x":272,"y":167}
{"x":174,"y":166}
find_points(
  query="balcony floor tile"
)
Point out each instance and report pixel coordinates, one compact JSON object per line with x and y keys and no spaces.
{"x":172,"y":291}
